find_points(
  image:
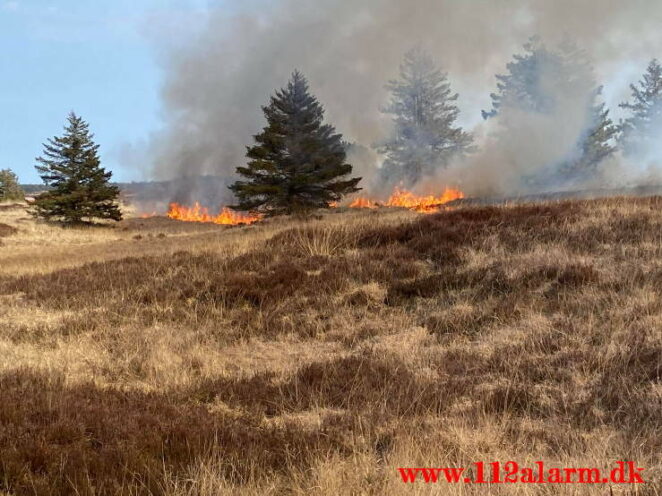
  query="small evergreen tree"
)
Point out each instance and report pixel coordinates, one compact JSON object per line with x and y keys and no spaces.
{"x":9,"y":187}
{"x":639,"y":132}
{"x":594,"y":144}
{"x":534,"y":83}
{"x":424,"y":114}
{"x":79,"y":186}
{"x":298,"y":163}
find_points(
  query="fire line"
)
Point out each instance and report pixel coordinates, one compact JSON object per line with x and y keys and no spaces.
{"x":406,"y":199}
{"x":197,"y":213}
{"x":400,"y":198}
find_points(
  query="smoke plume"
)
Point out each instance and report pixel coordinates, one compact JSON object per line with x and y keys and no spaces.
{"x":216,"y":83}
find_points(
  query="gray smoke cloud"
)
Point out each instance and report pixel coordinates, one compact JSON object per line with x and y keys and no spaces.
{"x":217,"y":81}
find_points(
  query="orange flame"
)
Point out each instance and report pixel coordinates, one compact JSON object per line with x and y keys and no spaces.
{"x":424,"y":204}
{"x":197,"y":213}
{"x":406,"y":199}
{"x":363,"y":203}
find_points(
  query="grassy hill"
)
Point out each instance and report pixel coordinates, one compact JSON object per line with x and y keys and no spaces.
{"x":316,"y":357}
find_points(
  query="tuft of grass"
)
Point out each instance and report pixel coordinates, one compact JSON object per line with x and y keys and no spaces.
{"x":6,"y":230}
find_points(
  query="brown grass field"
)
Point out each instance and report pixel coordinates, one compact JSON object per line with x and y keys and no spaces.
{"x":315,"y":357}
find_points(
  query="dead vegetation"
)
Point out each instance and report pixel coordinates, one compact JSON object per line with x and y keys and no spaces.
{"x":315,"y":357}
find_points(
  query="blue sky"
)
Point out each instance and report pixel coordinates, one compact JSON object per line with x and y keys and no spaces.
{"x":97,"y":57}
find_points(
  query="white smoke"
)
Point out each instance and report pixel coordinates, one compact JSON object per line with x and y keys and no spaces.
{"x":216,"y":83}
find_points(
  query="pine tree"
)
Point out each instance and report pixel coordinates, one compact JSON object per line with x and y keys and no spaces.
{"x":9,"y":187}
{"x":523,"y":86}
{"x":639,"y":132}
{"x":298,"y":162}
{"x":424,"y":114}
{"x":535,"y":81}
{"x":79,"y":187}
{"x":594,"y":144}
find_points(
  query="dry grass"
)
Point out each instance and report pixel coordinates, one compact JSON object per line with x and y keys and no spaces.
{"x":315,"y":357}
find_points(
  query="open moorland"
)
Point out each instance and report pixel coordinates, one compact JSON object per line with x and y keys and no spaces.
{"x":316,"y":356}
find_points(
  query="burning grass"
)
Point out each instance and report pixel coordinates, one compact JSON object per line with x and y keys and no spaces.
{"x":403,"y":198}
{"x":400,"y":198}
{"x":321,"y":355}
{"x":197,"y":213}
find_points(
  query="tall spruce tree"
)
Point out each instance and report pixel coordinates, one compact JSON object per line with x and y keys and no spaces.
{"x":524,"y":86}
{"x":643,"y":128}
{"x":298,"y":162}
{"x":79,"y":187}
{"x":534,"y":83}
{"x":424,"y":114}
{"x":9,"y":187}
